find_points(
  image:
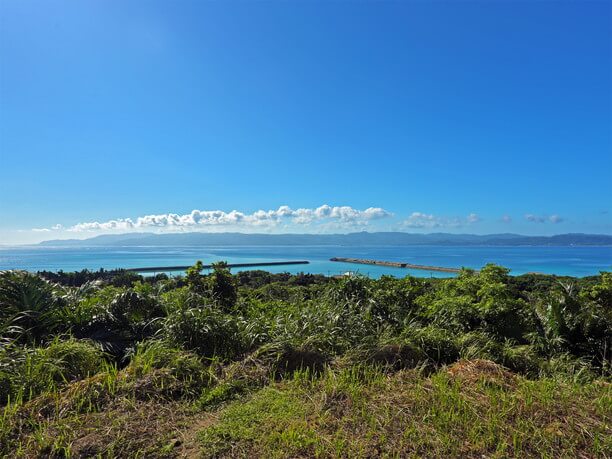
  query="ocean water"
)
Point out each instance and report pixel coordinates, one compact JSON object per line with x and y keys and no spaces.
{"x":571,"y":261}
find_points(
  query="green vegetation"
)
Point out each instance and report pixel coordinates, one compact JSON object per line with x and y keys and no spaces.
{"x":111,"y":364}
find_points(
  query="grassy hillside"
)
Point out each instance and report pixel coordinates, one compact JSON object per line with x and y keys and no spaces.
{"x":264,"y":365}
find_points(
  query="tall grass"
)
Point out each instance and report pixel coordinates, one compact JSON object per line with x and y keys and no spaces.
{"x":303,"y":344}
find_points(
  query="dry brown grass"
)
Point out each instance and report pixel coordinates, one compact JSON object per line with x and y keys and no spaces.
{"x":472,"y":372}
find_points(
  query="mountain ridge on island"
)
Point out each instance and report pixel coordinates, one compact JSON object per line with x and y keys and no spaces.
{"x":348,"y":239}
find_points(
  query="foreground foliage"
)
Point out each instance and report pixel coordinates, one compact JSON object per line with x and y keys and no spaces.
{"x":264,"y":365}
{"x":473,"y":409}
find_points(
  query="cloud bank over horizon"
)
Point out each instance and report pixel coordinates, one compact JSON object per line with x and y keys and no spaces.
{"x":321,"y":219}
{"x":332,"y":216}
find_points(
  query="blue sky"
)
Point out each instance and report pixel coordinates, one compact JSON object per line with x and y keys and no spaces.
{"x":474,"y":117}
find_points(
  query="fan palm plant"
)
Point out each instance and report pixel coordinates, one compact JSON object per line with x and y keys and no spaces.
{"x":28,"y":302}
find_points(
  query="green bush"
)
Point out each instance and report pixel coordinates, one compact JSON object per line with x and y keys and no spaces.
{"x":439,"y":345}
{"x":74,"y":359}
{"x":395,"y":299}
{"x":27,"y":301}
{"x":325,"y":326}
{"x":186,"y":367}
{"x":222,"y":286}
{"x":479,"y":345}
{"x":31,"y":371}
{"x":206,"y":331}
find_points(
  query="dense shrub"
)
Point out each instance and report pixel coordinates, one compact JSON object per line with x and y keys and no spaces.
{"x":222,"y":286}
{"x":394,"y":300}
{"x":327,"y":327}
{"x":74,"y":359}
{"x":117,"y":318}
{"x":28,"y":302}
{"x":30,"y":371}
{"x":439,"y":345}
{"x":186,"y":367}
{"x":206,"y":331}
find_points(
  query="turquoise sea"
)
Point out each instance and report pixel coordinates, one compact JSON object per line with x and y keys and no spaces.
{"x":572,"y":261}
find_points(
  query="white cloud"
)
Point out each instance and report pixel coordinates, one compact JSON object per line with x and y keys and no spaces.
{"x":506,"y":219}
{"x":534,"y":218}
{"x":473,"y":218}
{"x":120,"y":224}
{"x":423,"y":220}
{"x":555,"y":218}
{"x":345,"y":215}
{"x":543,"y":218}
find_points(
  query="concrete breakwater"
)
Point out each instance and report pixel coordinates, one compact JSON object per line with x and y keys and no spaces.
{"x":161,"y":269}
{"x":395,"y":264}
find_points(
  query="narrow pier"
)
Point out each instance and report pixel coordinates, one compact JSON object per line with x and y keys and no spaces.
{"x":395,"y":264}
{"x":161,"y":269}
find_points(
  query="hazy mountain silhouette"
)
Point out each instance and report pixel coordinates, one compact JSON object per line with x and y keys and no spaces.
{"x":351,"y":239}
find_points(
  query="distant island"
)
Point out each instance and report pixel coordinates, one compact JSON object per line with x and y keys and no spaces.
{"x":351,"y":239}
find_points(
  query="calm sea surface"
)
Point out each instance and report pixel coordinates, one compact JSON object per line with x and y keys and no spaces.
{"x":573,"y":261}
